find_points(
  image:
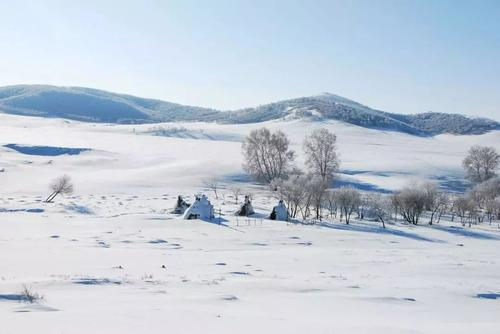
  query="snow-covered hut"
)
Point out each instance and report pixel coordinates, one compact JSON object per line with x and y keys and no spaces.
{"x":246,"y":208}
{"x":200,"y":209}
{"x":181,"y":206}
{"x":280,"y":212}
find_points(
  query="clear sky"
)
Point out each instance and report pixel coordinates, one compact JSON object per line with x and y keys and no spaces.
{"x":398,"y":56}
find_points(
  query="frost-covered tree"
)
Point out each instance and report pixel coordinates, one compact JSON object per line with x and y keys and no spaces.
{"x":60,"y":186}
{"x":481,"y":163}
{"x":486,"y":190}
{"x":363,"y":205}
{"x":348,"y":200}
{"x":380,"y":206}
{"x":316,"y":187}
{"x":331,"y":203}
{"x":267,"y":155}
{"x":236,"y":193}
{"x":213,"y":184}
{"x":321,"y":153}
{"x":292,"y":191}
{"x":411,"y":202}
{"x":492,"y":208}
{"x":485,"y":196}
{"x":297,"y":192}
{"x":465,"y":208}
{"x":435,"y":201}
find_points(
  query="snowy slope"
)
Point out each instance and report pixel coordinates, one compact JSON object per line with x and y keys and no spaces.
{"x":371,"y":159}
{"x":112,"y":258}
{"x":106,"y":275}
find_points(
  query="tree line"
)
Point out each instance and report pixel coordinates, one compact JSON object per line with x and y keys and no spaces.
{"x":308,"y":194}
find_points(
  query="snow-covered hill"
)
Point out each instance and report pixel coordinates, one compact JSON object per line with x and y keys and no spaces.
{"x":93,"y":105}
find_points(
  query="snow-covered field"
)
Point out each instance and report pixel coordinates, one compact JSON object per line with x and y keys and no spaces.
{"x":112,"y":259}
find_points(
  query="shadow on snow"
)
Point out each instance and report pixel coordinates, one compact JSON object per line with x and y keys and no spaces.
{"x":466,"y":233}
{"x":378,"y":230}
{"x":45,"y":150}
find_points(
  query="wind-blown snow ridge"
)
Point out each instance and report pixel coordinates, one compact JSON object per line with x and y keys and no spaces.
{"x":92,"y":105}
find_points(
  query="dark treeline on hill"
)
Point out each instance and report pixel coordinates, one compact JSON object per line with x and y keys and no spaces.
{"x":92,"y":105}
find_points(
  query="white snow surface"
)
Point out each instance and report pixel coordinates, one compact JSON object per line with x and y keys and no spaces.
{"x":112,"y":258}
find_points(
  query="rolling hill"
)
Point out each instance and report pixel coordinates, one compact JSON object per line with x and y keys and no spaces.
{"x":92,"y":105}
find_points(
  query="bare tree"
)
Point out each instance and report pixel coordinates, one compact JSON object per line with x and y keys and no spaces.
{"x":465,"y":209}
{"x":331,"y":203}
{"x":435,"y":200}
{"x":321,"y":153}
{"x":236,"y":193}
{"x":492,"y":208}
{"x":380,"y":207}
{"x":62,"y":186}
{"x":316,"y":187}
{"x":486,"y":190}
{"x":213,"y":184}
{"x":485,"y":196}
{"x":394,"y":198}
{"x":292,"y":191}
{"x":411,"y":202}
{"x":305,"y":204}
{"x":481,"y":163}
{"x":348,"y":200}
{"x":267,"y":155}
{"x":30,"y":296}
{"x":445,"y":205}
{"x":363,"y":204}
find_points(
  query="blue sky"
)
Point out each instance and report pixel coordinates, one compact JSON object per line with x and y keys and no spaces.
{"x":398,"y":56}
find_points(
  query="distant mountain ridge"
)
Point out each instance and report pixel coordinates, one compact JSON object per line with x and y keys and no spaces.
{"x":92,"y":105}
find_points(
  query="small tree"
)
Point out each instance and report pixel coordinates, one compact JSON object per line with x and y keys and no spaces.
{"x":394,"y":199}
{"x":316,"y":187}
{"x":292,"y":191}
{"x":236,"y":193}
{"x":411,"y":203}
{"x":331,"y":203}
{"x":212,"y":183}
{"x":61,"y":185}
{"x":348,"y":200}
{"x":481,"y":163}
{"x":486,"y":190}
{"x":363,"y":204}
{"x":484,"y":195}
{"x":492,"y":208}
{"x":465,"y":209}
{"x":435,"y":200}
{"x":380,"y":206}
{"x":30,"y":296}
{"x":445,"y":205}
